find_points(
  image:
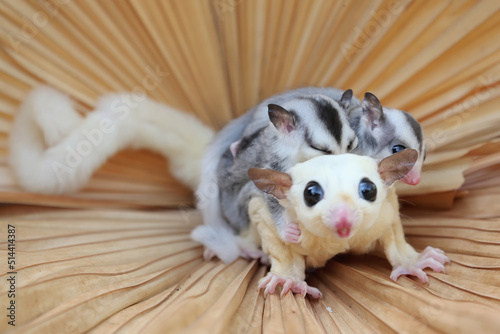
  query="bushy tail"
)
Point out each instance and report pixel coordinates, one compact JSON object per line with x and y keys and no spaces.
{"x":178,"y":136}
{"x":54,"y":150}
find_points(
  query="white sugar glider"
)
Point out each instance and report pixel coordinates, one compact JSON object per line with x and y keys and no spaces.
{"x":342,"y":203}
{"x":224,"y":190}
{"x":274,"y":136}
{"x":54,"y":150}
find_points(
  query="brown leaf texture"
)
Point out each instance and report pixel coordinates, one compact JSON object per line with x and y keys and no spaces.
{"x":117,"y":256}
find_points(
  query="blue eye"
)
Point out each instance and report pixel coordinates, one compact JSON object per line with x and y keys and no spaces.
{"x":313,"y":193}
{"x":368,"y":190}
{"x":398,"y":148}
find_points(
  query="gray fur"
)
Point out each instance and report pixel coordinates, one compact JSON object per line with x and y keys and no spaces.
{"x":263,"y":148}
{"x":395,"y":127}
{"x":261,"y":144}
{"x":320,"y":121}
{"x":417,"y":129}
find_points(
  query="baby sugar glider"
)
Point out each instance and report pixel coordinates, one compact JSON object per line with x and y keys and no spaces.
{"x":341,"y":203}
{"x":384,"y":131}
{"x":278,"y":133}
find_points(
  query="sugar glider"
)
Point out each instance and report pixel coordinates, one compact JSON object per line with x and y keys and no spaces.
{"x":341,"y":203}
{"x":384,"y":131}
{"x":278,"y":133}
{"x":224,"y":190}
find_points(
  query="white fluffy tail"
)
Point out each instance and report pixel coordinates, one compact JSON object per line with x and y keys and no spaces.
{"x":178,"y":136}
{"x":53,"y":150}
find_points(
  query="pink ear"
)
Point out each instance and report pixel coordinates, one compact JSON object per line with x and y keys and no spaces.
{"x":372,"y":109}
{"x":396,"y":166}
{"x":282,"y":119}
{"x":271,"y":182}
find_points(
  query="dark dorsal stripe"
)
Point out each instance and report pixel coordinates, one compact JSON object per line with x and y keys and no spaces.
{"x":329,"y":115}
{"x":417,"y":129}
{"x":247,"y":141}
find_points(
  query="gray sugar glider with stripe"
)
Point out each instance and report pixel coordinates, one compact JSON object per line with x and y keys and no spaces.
{"x":278,"y":133}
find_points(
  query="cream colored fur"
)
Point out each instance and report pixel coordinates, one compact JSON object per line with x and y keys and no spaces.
{"x":375,"y":224}
{"x":54,"y":150}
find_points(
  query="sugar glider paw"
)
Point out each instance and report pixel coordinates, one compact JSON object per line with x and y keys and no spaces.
{"x":271,"y":281}
{"x":432,"y":258}
{"x":292,"y":233}
{"x":234,"y":147}
{"x":265,"y":260}
{"x":256,"y":255}
{"x":251,"y":254}
{"x":208,"y":254}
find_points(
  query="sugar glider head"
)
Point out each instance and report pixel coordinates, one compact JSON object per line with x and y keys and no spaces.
{"x":384,"y":131}
{"x":313,"y":125}
{"x":335,"y":195}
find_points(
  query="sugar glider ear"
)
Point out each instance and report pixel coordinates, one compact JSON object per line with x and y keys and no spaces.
{"x":396,"y":166}
{"x":282,"y":119}
{"x":345,"y":100}
{"x":271,"y":182}
{"x":372,"y":109}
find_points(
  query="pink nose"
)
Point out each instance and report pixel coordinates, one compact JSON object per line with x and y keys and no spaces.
{"x":412,"y":181}
{"x":343,"y":228}
{"x":342,"y":220}
{"x":412,"y":178}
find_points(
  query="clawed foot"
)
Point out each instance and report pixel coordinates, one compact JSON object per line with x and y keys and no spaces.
{"x":271,"y":281}
{"x":208,"y":254}
{"x":292,"y":233}
{"x":433,"y":258}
